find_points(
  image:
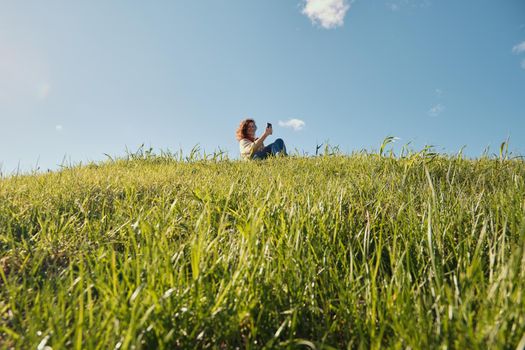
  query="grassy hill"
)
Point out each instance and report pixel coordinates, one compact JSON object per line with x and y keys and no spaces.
{"x":357,"y":251}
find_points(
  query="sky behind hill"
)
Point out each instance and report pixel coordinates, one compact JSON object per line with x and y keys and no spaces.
{"x":81,"y":79}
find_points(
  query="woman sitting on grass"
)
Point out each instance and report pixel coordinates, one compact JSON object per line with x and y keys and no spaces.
{"x":252,"y":147}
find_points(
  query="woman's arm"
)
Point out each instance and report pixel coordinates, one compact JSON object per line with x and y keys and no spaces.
{"x":257,"y":144}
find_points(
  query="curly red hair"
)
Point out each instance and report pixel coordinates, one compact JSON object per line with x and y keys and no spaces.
{"x":242,"y":130}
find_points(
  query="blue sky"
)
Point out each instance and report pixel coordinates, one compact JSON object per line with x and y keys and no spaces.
{"x":80,"y":79}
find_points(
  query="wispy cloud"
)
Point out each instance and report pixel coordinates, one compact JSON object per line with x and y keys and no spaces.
{"x":519,"y":48}
{"x":43,"y":91}
{"x":393,"y":7}
{"x":327,"y":13}
{"x":23,"y":73}
{"x":295,"y":124}
{"x":439,"y":93}
{"x":59,"y":127}
{"x":436,"y":110}
{"x":397,"y":5}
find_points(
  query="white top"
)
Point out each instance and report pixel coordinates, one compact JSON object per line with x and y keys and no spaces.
{"x":247,"y":150}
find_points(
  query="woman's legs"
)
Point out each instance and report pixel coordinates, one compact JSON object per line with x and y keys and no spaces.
{"x":266,"y":151}
{"x":275,"y":148}
{"x":278,"y":147}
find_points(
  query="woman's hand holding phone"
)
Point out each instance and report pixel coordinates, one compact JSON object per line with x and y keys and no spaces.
{"x":269,"y":129}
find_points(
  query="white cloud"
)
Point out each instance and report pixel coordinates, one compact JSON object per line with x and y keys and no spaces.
{"x":436,"y":110}
{"x":296,"y":124}
{"x":327,"y":13}
{"x":59,"y":127}
{"x":519,"y":48}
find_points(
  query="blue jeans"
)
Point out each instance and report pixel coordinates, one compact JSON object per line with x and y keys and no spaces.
{"x":273,"y":149}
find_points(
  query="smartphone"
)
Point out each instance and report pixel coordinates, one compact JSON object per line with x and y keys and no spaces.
{"x":268,"y":125}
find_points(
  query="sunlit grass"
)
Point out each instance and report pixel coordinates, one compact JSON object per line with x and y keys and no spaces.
{"x":360,"y":251}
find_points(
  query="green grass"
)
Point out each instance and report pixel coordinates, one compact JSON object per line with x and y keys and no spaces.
{"x":361,"y":251}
